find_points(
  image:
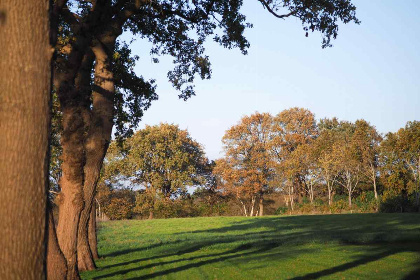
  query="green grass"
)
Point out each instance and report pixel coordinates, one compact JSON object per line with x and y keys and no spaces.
{"x":354,"y":246}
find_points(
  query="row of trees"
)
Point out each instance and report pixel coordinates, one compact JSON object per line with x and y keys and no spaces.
{"x":288,"y":154}
{"x":93,"y":78}
{"x":292,"y":153}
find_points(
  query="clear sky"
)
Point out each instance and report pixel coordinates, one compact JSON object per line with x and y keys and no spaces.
{"x":371,"y":72}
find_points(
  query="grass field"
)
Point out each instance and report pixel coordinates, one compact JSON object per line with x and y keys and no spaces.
{"x":354,"y":246}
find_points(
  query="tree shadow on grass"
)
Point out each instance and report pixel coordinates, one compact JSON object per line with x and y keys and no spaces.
{"x":243,"y":251}
{"x":352,"y":264}
{"x":273,"y":232}
{"x":240,"y":251}
{"x":135,"y":250}
{"x":415,"y":275}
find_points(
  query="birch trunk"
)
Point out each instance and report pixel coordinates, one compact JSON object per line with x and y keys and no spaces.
{"x":374,"y":182}
{"x":329,"y":193}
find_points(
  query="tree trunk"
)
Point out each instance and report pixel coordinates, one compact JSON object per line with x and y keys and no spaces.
{"x":93,"y":241}
{"x":261,"y":204}
{"x":329,"y":194}
{"x":85,"y":259}
{"x":349,"y":199}
{"x":374,"y":188}
{"x":56,"y":263}
{"x":374,"y":181}
{"x":291,"y":191}
{"x":150,"y":215}
{"x":25,"y":79}
{"x":70,"y":200}
{"x":311,"y":193}
{"x":75,"y":107}
{"x":244,"y":207}
{"x":97,"y":143}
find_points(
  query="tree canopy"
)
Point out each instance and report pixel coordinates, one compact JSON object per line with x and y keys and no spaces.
{"x":247,"y":169}
{"x":163,"y":159}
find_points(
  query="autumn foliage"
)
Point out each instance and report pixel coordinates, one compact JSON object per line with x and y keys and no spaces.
{"x":292,"y":154}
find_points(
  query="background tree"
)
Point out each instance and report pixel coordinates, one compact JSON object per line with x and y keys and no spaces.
{"x":410,"y":146}
{"x":323,"y":149}
{"x":120,"y":204}
{"x":367,"y":141}
{"x":293,"y":128}
{"x":163,"y":160}
{"x":399,"y":159}
{"x":347,"y":159}
{"x":25,"y":83}
{"x":248,"y":163}
{"x":308,"y":156}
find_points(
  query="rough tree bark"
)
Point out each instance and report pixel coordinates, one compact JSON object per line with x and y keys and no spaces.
{"x":99,"y":136}
{"x":56,"y":263}
{"x":75,"y":109}
{"x":93,"y":242}
{"x":25,"y":78}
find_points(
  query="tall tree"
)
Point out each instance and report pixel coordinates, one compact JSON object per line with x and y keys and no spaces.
{"x":323,"y":147}
{"x":293,"y":128}
{"x":347,"y":158}
{"x":89,"y":33}
{"x":248,"y":167}
{"x":400,"y":160}
{"x":25,"y":79}
{"x":162,"y":159}
{"x":410,"y":146}
{"x":367,"y":141}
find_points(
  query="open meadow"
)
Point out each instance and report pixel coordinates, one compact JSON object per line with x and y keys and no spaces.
{"x":351,"y":246}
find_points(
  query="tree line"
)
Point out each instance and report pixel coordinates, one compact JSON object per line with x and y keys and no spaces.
{"x":294,"y":154}
{"x":73,"y":50}
{"x":290,"y":155}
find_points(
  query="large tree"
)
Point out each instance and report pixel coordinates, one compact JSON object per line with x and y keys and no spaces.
{"x":347,"y":157}
{"x":400,"y":160}
{"x":25,"y":79}
{"x":323,"y":148}
{"x":247,"y":169}
{"x":161,"y":159}
{"x":367,"y":140}
{"x":88,"y":44}
{"x":293,"y":129}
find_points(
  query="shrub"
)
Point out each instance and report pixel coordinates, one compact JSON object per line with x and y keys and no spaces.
{"x":393,"y":202}
{"x":281,"y":210}
{"x":119,"y":208}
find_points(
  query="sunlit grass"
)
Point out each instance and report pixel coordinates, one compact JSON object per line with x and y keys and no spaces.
{"x":355,"y":246}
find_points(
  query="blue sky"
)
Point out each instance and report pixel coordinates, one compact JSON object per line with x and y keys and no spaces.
{"x":371,"y":72}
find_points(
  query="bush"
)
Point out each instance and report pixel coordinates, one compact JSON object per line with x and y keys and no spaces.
{"x":366,"y":202}
{"x":281,"y":210}
{"x":393,"y":203}
{"x":119,"y":209}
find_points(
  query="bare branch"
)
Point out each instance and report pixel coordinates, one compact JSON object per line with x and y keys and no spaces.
{"x":269,"y":9}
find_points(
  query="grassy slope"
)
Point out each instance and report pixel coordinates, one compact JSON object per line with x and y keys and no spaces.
{"x":355,"y":246}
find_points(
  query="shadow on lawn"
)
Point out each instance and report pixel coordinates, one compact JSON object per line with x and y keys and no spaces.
{"x":240,"y":251}
{"x":276,"y":231}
